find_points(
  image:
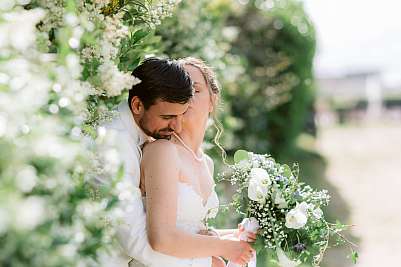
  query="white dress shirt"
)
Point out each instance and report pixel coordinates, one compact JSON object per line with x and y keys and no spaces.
{"x":131,"y":232}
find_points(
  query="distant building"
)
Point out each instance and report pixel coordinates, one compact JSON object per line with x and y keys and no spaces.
{"x":357,"y":96}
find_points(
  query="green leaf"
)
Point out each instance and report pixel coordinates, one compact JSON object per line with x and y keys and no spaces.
{"x":240,"y":155}
{"x":354,"y":256}
{"x":286,"y":170}
{"x":138,"y":35}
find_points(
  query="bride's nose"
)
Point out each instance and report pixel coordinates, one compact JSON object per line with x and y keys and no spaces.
{"x":176,"y":124}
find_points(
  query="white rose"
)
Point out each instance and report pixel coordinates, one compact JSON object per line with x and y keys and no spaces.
{"x":261,"y":176}
{"x":297,"y":217}
{"x":6,"y":4}
{"x":257,"y":191}
{"x":259,"y":184}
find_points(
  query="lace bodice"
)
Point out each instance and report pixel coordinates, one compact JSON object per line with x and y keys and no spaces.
{"x":192,"y":212}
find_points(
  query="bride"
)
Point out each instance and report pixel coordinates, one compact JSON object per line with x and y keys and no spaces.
{"x":177,"y":180}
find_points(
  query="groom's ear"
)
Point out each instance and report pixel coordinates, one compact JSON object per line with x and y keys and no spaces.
{"x":137,"y":105}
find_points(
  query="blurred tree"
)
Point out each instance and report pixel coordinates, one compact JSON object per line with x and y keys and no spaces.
{"x":263,"y":53}
{"x":277,"y":41}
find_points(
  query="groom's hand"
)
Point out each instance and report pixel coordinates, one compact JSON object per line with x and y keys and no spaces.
{"x":208,"y":232}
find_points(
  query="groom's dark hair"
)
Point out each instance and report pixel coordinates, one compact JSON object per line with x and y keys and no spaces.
{"x":163,"y":79}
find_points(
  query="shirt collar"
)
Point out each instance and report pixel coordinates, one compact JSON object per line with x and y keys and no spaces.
{"x":135,"y":132}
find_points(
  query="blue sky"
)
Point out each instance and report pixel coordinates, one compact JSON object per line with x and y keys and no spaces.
{"x":357,"y":35}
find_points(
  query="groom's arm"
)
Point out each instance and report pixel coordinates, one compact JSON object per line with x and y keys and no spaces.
{"x":131,"y":233}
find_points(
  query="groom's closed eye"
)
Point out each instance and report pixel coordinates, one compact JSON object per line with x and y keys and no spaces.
{"x":168,"y":117}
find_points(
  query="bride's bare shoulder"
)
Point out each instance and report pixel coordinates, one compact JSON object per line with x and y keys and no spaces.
{"x":159,"y":149}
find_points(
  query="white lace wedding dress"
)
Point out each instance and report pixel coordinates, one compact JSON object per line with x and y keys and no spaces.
{"x":192,"y":211}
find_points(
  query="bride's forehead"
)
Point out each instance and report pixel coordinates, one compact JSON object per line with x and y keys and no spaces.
{"x":195,"y":74}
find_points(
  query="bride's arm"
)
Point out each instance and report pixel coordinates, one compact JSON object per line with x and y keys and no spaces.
{"x":225,"y":232}
{"x":160,"y":165}
{"x":234,"y":233}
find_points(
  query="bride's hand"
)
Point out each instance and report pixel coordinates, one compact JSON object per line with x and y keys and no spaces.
{"x":218,"y":262}
{"x":239,"y":252}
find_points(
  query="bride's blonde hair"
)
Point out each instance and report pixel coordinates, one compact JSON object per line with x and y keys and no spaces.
{"x":214,"y":89}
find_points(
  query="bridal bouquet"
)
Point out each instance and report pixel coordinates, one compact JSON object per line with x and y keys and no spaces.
{"x":286,"y":212}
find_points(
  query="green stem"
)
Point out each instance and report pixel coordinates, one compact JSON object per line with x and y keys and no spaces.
{"x":323,"y":250}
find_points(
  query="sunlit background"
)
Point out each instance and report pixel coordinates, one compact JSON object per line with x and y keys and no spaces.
{"x":358,"y":69}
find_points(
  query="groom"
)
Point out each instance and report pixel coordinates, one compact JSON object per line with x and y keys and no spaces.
{"x":155,"y":109}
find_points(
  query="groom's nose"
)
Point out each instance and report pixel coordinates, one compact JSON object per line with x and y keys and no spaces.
{"x":176,"y":124}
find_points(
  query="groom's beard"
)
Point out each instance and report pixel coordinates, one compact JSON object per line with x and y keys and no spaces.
{"x":164,"y":133}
